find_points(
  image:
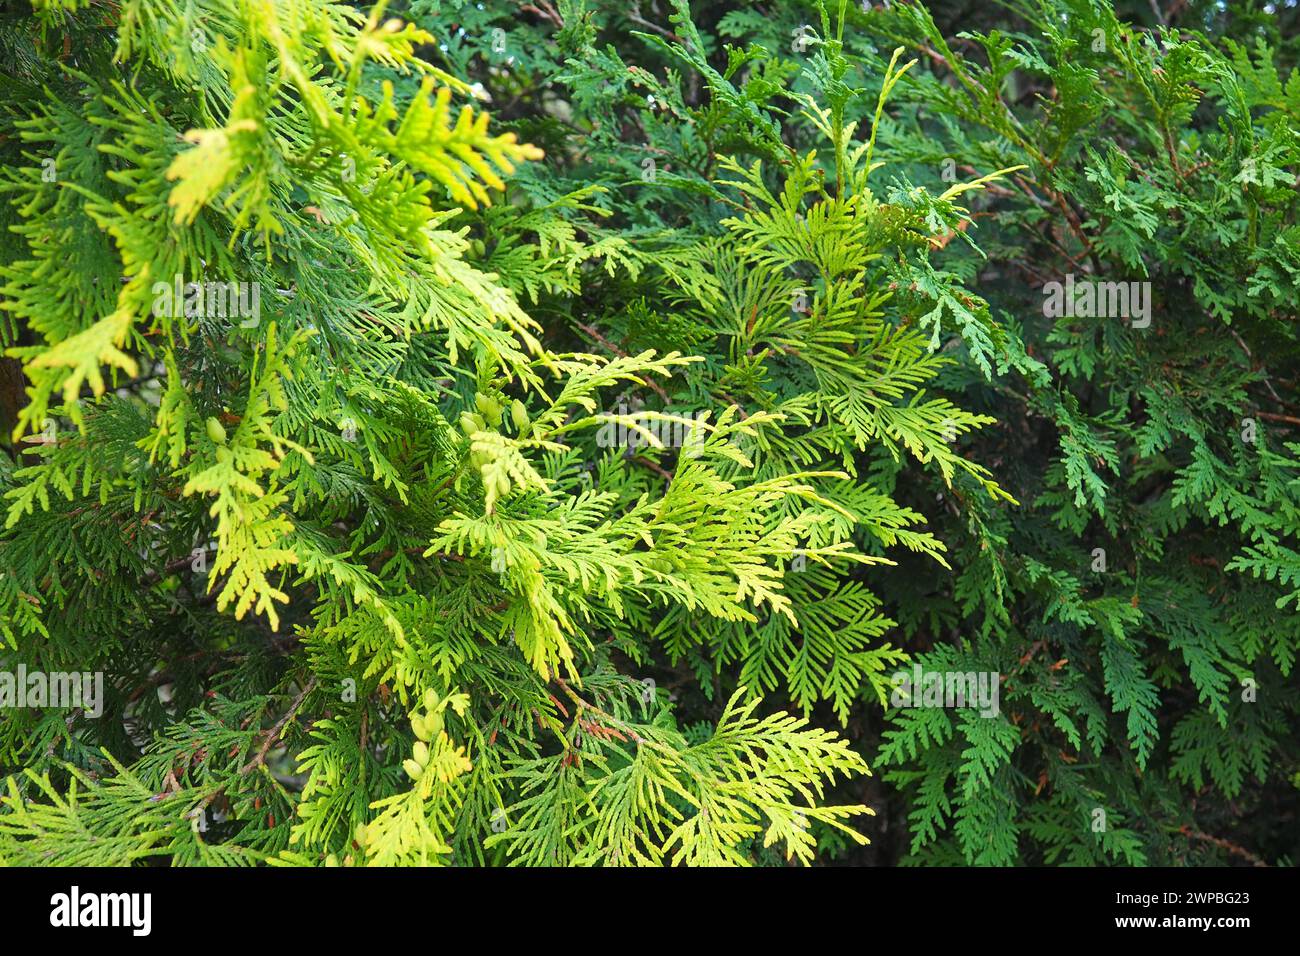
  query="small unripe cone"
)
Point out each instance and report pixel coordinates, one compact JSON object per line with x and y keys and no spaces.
{"x":359,"y":834}
{"x":488,"y":407}
{"x":421,"y":728}
{"x":413,"y":769}
{"x":430,"y":700}
{"x":519,"y":415}
{"x":421,"y":752}
{"x":216,"y":431}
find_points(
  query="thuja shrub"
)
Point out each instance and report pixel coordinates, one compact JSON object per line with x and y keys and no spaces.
{"x":759,"y":394}
{"x":1139,"y":601}
{"x":1145,"y":603}
{"x":316,"y":493}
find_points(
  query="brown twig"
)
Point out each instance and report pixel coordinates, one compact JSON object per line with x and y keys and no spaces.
{"x":1223,"y":844}
{"x":278,"y":729}
{"x":610,"y":346}
{"x":1277,"y":417}
{"x":653,"y":466}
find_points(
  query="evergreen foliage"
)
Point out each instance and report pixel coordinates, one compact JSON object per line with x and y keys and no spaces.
{"x":470,"y":434}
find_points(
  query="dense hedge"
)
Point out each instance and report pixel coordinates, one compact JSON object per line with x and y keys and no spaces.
{"x":781,"y":432}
